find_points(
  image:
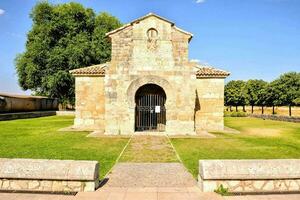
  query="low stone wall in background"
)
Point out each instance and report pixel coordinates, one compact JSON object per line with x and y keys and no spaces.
{"x":250,"y":176}
{"x":277,"y":117}
{"x":48,"y":175}
{"x":65,"y":113}
{"x":24,"y":115}
{"x":11,"y":103}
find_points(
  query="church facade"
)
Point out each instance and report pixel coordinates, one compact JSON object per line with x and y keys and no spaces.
{"x":149,"y":84}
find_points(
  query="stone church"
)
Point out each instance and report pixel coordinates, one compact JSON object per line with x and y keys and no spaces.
{"x":149,"y":84}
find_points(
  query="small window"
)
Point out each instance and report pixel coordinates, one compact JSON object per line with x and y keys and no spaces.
{"x":152,"y":34}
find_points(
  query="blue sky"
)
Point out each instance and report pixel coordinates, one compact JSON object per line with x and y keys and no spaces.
{"x":253,"y":39}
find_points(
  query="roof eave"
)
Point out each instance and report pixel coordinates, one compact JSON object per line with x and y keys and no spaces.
{"x":144,"y":17}
{"x":117,"y":30}
{"x":88,"y":75}
{"x":211,"y":76}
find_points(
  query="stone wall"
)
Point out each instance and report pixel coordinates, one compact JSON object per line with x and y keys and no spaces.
{"x":136,"y":62}
{"x":277,"y":117}
{"x":180,"y":42}
{"x":90,"y":103}
{"x":10,"y":103}
{"x":25,"y":115}
{"x":281,"y":175}
{"x":46,"y":185}
{"x":137,"y":59}
{"x":209,"y":104}
{"x":48,"y":175}
{"x":65,"y":113}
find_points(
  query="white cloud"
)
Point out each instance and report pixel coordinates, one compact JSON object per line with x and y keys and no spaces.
{"x":2,"y":12}
{"x":195,"y":60}
{"x":200,"y":1}
{"x":201,"y":62}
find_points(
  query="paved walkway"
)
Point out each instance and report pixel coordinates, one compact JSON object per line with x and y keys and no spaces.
{"x":145,"y":194}
{"x":150,"y":175}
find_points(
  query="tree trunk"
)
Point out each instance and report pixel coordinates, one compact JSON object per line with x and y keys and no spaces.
{"x":244,"y":108}
{"x":273,"y":110}
{"x":230,"y":108}
{"x":236,"y":108}
{"x":290,"y":110}
{"x":262,"y":109}
{"x":252,"y":109}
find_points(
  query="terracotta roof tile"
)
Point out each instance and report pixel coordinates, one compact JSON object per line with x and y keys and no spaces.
{"x":94,"y":70}
{"x":208,"y":71}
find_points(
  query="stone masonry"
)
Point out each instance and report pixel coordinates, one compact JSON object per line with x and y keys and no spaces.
{"x":250,"y":176}
{"x":48,"y":175}
{"x":149,"y":50}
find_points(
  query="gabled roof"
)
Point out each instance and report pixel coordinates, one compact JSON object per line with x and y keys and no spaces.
{"x":94,"y":70}
{"x":144,"y":17}
{"x":205,"y":71}
{"x":152,"y":14}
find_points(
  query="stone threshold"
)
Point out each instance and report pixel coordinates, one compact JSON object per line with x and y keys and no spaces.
{"x":155,"y":133}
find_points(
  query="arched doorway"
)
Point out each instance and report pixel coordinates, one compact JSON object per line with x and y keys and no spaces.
{"x":150,"y":111}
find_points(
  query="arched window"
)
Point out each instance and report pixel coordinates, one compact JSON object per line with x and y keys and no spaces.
{"x":152,"y":34}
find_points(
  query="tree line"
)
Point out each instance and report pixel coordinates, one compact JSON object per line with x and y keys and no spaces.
{"x":283,"y":91}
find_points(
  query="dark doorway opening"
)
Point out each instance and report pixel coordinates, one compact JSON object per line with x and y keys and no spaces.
{"x":150,"y":111}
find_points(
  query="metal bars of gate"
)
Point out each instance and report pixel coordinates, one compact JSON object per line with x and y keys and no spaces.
{"x":147,"y":117}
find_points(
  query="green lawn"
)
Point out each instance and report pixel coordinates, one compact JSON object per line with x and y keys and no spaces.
{"x":39,"y":138}
{"x":149,"y":149}
{"x":259,"y":139}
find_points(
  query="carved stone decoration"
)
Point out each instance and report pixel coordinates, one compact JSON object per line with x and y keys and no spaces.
{"x":152,"y":35}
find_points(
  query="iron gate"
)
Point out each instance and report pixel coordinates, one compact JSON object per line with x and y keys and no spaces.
{"x":150,"y":112}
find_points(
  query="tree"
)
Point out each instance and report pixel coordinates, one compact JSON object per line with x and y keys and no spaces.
{"x":235,"y":94}
{"x":254,"y":90}
{"x":267,"y":98}
{"x":62,"y":37}
{"x":287,"y":86}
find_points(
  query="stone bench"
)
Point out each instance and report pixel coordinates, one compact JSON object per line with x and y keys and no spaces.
{"x":279,"y":175}
{"x":48,"y":175}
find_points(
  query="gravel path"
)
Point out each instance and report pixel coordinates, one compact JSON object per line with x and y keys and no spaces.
{"x":150,"y":175}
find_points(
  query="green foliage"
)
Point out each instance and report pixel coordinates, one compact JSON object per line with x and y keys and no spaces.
{"x":283,"y":91}
{"x":221,"y":190}
{"x":63,"y":37}
{"x":254,"y":90}
{"x":287,"y":87}
{"x":235,"y":114}
{"x":235,"y":93}
{"x":297,"y":101}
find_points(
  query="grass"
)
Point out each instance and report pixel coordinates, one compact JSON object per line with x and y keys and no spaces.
{"x":149,"y":149}
{"x":40,"y":138}
{"x":259,"y":139}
